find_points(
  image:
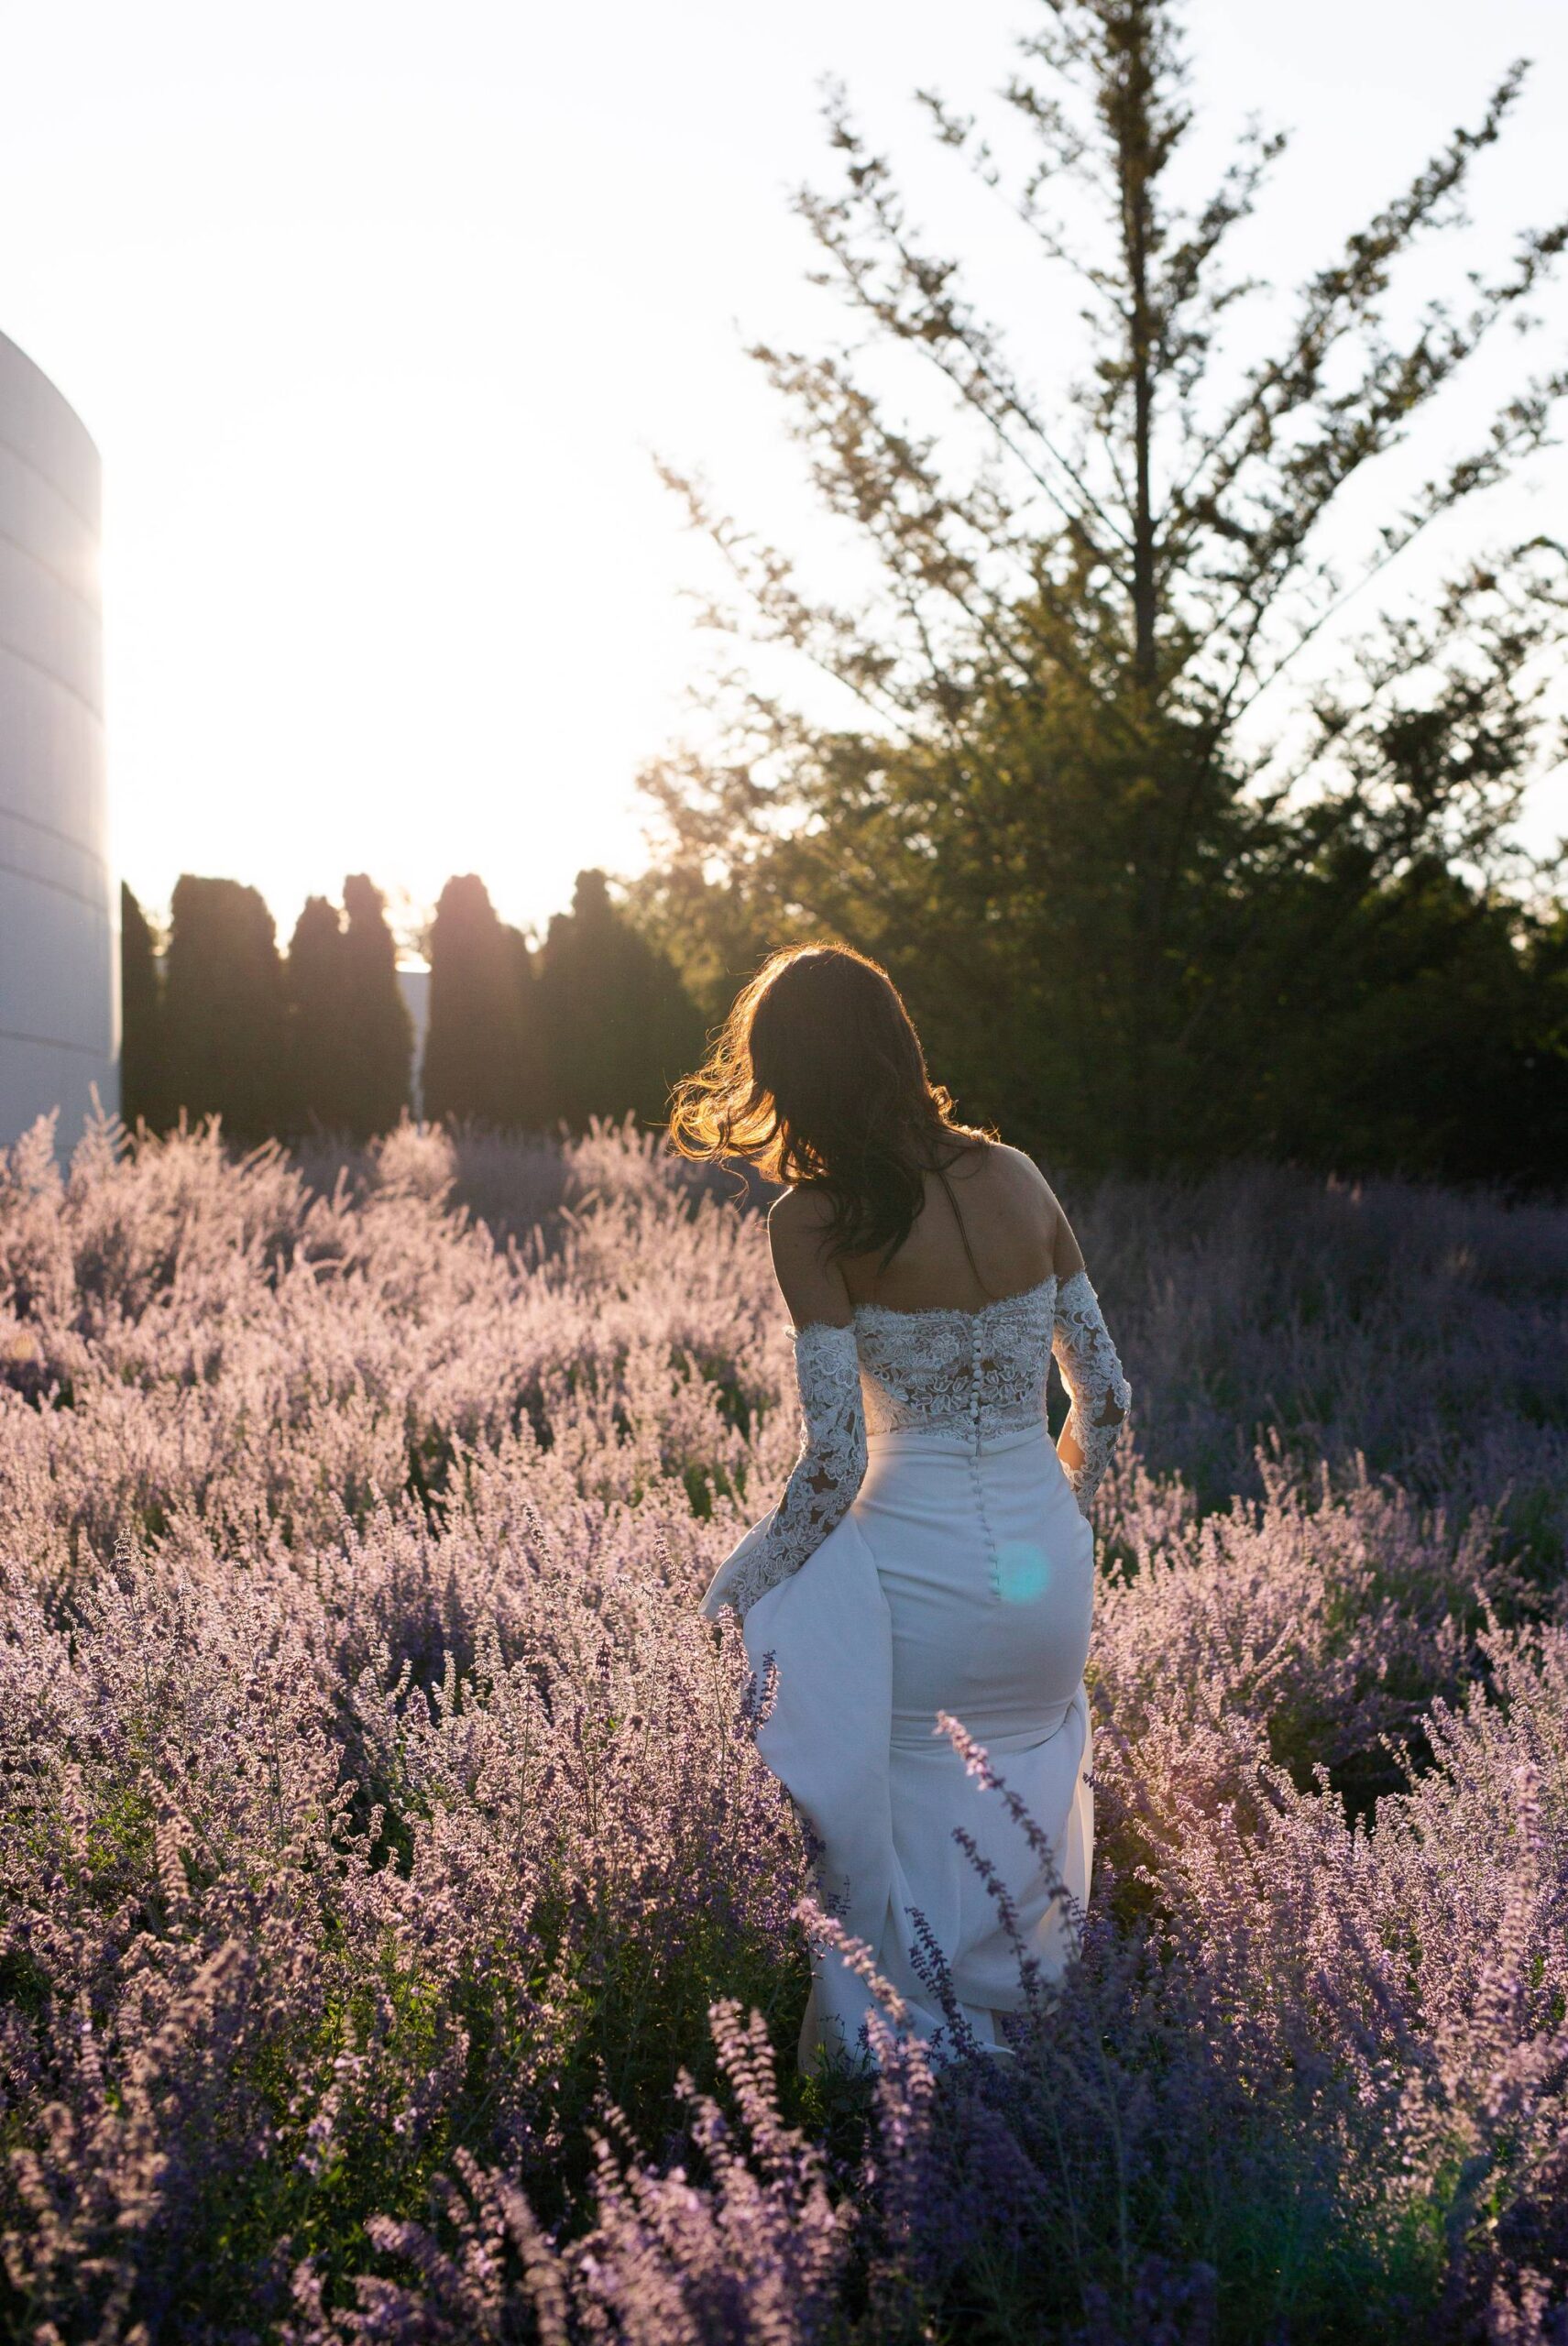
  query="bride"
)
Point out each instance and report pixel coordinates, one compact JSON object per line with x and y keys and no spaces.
{"x":930,"y":1553}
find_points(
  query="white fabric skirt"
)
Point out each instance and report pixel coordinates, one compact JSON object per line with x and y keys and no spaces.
{"x":961,"y":1581}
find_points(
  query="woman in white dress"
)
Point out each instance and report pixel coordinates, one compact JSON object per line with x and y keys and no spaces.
{"x":930,"y":1555}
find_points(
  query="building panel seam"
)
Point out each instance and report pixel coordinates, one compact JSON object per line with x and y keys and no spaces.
{"x":89,"y":603}
{"x":38,"y":472}
{"x":60,"y":887}
{"x":26,"y":660}
{"x":53,"y":832}
{"x":54,"y":1043}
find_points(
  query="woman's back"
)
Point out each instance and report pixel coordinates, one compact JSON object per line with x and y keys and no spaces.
{"x":988,"y":1227}
{"x":931,"y":1558}
{"x":962,"y":1584}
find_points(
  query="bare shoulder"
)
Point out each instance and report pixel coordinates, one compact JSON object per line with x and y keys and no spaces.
{"x":800,"y":1211}
{"x":1012,"y":1165}
{"x":1030,"y":1187}
{"x":1018,"y":1181}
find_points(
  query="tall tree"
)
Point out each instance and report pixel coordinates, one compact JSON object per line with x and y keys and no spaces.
{"x":532,"y":1101}
{"x":320,"y":1049}
{"x":619,"y":1023}
{"x":478,"y":1047}
{"x":224,"y":1008}
{"x":379,"y":1085}
{"x":1120,"y":925}
{"x":144,"y":1097}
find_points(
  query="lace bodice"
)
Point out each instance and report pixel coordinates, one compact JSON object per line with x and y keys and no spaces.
{"x":966,"y":1373}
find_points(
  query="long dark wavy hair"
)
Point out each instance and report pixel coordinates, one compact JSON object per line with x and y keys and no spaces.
{"x":818,"y":1078}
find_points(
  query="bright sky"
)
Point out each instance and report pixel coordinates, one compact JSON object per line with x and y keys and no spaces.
{"x":376,"y":312}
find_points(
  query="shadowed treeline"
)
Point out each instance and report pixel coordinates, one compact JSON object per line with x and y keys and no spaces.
{"x":593,"y":1022}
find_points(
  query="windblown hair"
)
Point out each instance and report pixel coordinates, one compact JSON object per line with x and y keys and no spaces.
{"x":818,"y":1076}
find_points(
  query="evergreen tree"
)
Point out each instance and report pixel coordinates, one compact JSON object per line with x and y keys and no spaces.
{"x":144,"y":1096}
{"x":532,"y":1106}
{"x":320,"y":1043}
{"x":224,"y":1009}
{"x":618,"y":1024}
{"x":379,"y":1078}
{"x":475,"y":1045}
{"x":1125,"y":931}
{"x":1438,"y":1045}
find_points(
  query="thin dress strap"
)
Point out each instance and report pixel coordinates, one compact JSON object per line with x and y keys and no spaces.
{"x":963,"y":1233}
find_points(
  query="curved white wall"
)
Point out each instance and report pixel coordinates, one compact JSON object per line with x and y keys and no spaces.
{"x":59,"y":976}
{"x":414,"y":987}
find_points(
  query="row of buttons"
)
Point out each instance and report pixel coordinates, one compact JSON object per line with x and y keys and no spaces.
{"x":993,"y":1570}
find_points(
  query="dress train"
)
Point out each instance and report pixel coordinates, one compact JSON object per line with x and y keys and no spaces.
{"x":905,"y":1596}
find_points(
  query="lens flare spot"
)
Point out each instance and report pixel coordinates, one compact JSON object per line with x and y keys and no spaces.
{"x":1021,"y":1572}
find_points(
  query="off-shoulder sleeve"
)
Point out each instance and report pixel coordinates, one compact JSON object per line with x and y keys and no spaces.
{"x":827,"y":1473}
{"x":1091,"y":1373}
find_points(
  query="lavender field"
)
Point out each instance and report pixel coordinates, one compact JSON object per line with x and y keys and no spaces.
{"x":400,"y":1938}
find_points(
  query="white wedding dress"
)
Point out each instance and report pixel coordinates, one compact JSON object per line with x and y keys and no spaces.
{"x":930,"y":1553}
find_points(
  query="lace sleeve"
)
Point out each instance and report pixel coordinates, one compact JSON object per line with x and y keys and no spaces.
{"x":1093,"y":1373}
{"x":829,"y":1471}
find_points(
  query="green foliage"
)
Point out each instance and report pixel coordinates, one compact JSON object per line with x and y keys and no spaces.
{"x":619,"y":1027}
{"x":350,"y":1037}
{"x":143,"y":1091}
{"x":224,"y":1009}
{"x":319,"y":1052}
{"x":597,"y":1024}
{"x":482,"y":1054}
{"x":1123,"y":927}
{"x":322,"y":1039}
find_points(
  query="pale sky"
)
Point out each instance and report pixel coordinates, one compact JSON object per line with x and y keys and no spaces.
{"x":377,"y":311}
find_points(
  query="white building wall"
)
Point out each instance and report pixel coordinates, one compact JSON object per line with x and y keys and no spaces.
{"x":59,"y":964}
{"x":415,"y":988}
